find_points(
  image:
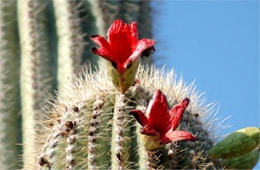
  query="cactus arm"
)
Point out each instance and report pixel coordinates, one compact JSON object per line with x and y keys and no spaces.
{"x":237,"y":143}
{"x":35,"y":71}
{"x":9,"y":106}
{"x":70,"y":40}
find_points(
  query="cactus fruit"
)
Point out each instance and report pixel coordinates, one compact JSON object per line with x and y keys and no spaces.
{"x":237,"y":143}
{"x":247,"y":161}
{"x":90,"y":126}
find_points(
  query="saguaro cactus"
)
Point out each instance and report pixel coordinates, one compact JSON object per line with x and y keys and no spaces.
{"x":93,"y":120}
{"x":92,"y":123}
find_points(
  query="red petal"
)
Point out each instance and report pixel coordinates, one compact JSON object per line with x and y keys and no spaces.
{"x":134,"y":35}
{"x":142,"y":46}
{"x":104,"y":49}
{"x":102,"y":52}
{"x":140,"y":117}
{"x":157,"y":112}
{"x":101,"y":41}
{"x":120,"y":40}
{"x":173,"y":136}
{"x":177,"y":113}
{"x":147,"y":130}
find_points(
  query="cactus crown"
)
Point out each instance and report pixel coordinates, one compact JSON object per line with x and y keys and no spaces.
{"x":90,"y":125}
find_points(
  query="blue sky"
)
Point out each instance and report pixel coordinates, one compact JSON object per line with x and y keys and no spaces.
{"x":215,"y":43}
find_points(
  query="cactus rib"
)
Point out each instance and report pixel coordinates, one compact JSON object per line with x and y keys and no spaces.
{"x":35,"y":71}
{"x":117,"y":133}
{"x":92,"y":146}
{"x":70,"y":39}
{"x":9,"y":106}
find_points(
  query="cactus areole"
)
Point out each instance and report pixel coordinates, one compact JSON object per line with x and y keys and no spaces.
{"x":159,"y":124}
{"x":123,"y":50}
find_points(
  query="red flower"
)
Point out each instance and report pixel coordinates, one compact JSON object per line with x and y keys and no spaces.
{"x":123,"y":45}
{"x":161,"y":122}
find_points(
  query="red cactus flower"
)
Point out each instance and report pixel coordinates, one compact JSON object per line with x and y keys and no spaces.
{"x":161,"y":122}
{"x":123,"y":45}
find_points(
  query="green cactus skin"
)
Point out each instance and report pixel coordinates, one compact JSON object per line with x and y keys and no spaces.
{"x":70,"y":39}
{"x":247,"y":161}
{"x":237,"y":143}
{"x":9,"y":105}
{"x":104,"y":135}
{"x":35,"y":69}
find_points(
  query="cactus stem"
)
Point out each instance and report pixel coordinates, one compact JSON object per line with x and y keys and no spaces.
{"x":97,"y":110}
{"x":117,"y":132}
